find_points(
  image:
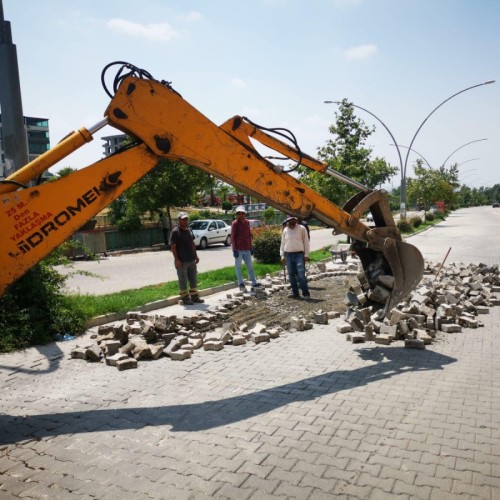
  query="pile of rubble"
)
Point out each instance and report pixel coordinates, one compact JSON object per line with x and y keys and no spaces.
{"x":445,"y":301}
{"x":147,"y":337}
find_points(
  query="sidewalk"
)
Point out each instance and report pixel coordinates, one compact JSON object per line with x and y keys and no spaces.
{"x":307,"y":415}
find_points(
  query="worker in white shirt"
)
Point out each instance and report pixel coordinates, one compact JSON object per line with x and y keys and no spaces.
{"x":294,"y":251}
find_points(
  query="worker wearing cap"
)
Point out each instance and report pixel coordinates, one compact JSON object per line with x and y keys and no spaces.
{"x":241,"y":241}
{"x":294,"y":251}
{"x":186,"y":260}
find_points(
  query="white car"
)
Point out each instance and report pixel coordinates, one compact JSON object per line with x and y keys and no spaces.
{"x":207,"y":232}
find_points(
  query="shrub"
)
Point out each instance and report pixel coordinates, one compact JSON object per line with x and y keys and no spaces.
{"x":416,"y":221}
{"x":226,"y":206}
{"x":404,"y":226}
{"x":429,"y":216}
{"x":268,"y":215}
{"x":266,"y":245}
{"x":35,"y":308}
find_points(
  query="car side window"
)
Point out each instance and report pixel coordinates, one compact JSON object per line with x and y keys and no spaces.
{"x":211,"y":227}
{"x":220,"y":224}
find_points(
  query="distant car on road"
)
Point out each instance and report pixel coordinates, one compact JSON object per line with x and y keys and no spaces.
{"x":495,"y":205}
{"x":208,"y":232}
{"x":369,"y":217}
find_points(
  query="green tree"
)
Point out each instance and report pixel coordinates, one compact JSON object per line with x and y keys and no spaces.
{"x":168,"y":184}
{"x":430,"y":185}
{"x":346,"y":153}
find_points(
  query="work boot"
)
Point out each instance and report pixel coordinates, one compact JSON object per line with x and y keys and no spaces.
{"x":243,"y":288}
{"x":197,"y":299}
{"x":187,"y":301}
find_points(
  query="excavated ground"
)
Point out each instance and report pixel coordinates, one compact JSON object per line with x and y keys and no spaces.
{"x":327,"y":294}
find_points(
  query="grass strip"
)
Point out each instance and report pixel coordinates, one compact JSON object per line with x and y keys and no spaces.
{"x":129,"y":300}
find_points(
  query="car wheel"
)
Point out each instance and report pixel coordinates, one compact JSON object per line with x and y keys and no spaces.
{"x":203,"y":243}
{"x":228,"y":241}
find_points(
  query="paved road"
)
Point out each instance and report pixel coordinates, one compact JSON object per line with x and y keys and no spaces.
{"x":462,"y":231}
{"x":151,"y":268}
{"x":307,"y":416}
{"x":471,"y":233}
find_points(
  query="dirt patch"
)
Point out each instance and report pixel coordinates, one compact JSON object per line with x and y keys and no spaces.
{"x":327,"y":294}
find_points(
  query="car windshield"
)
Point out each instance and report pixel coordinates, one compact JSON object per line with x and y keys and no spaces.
{"x":198,"y":225}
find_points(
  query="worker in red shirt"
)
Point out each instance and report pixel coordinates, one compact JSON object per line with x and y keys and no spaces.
{"x":241,"y":240}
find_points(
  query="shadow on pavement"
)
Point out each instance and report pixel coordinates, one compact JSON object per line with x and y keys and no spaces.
{"x":53,"y":355}
{"x":388,"y":362}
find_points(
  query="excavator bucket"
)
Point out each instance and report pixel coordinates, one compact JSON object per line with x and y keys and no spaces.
{"x":389,"y":263}
{"x":407,"y":266}
{"x":392,"y":272}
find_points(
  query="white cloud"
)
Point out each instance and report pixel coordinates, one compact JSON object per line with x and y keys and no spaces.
{"x":238,"y":82}
{"x":361,"y":52}
{"x":194,"y":16}
{"x":162,"y":32}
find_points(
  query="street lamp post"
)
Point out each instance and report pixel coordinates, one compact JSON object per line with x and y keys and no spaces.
{"x":403,"y":165}
{"x":462,"y":146}
{"x":415,"y":151}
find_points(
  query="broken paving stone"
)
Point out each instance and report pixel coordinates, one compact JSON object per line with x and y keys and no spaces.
{"x":259,"y":337}
{"x":181,"y":354}
{"x":344,"y":327}
{"x":414,"y":344}
{"x":383,"y":339}
{"x":333,"y":314}
{"x":93,"y":353}
{"x":213,"y":345}
{"x":298,"y":323}
{"x":238,"y":340}
{"x":110,"y":347}
{"x":156,"y":350}
{"x":468,"y":322}
{"x":355,"y":337}
{"x":78,"y":353}
{"x":112,"y":360}
{"x":141,"y":351}
{"x":482,"y":310}
{"x":386,"y":280}
{"x":451,"y":328}
{"x":321,"y":318}
{"x":196,"y":342}
{"x":126,"y":364}
{"x":273,"y":333}
{"x":258,"y":328}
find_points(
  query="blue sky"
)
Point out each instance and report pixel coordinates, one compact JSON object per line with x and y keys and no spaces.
{"x":276,"y":61}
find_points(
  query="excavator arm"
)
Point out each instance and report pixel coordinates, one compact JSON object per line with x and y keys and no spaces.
{"x":35,"y":220}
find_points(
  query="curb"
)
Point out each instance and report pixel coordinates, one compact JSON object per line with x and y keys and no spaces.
{"x":151,"y":306}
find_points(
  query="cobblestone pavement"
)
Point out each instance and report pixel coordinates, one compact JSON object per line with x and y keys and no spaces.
{"x":308,"y":415}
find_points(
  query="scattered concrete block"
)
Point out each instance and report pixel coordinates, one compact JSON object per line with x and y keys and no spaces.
{"x":414,"y":344}
{"x":259,"y":337}
{"x":344,"y":328}
{"x":213,"y":345}
{"x":238,"y":340}
{"x":93,"y":353}
{"x":112,"y":360}
{"x":181,"y":354}
{"x":451,"y":328}
{"x":383,"y":339}
{"x":126,"y":364}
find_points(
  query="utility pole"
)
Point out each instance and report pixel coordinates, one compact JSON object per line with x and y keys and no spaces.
{"x":13,"y":132}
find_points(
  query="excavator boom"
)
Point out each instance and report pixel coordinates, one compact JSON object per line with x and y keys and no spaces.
{"x":38,"y":219}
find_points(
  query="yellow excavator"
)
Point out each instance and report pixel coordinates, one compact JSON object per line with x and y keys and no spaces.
{"x":37,"y":219}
